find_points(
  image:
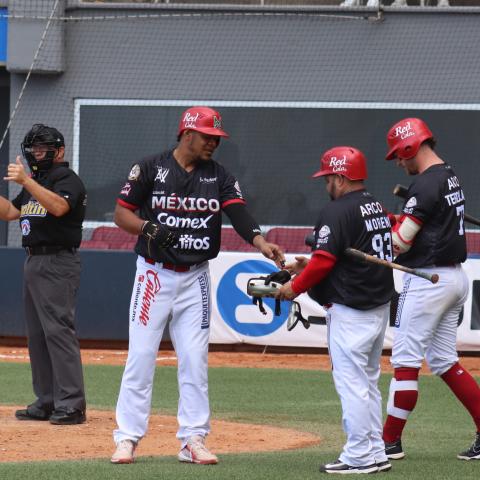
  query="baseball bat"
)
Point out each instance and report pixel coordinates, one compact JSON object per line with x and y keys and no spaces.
{"x":401,"y":191}
{"x":352,"y":252}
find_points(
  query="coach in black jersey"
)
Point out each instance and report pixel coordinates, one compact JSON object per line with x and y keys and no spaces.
{"x":357,"y":300}
{"x":173,"y":201}
{"x":429,"y":234}
{"x":51,"y":209}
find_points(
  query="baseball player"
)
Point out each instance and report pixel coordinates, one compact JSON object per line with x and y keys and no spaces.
{"x":429,"y":235}
{"x":356,"y":297}
{"x":179,"y":196}
{"x":51,"y":209}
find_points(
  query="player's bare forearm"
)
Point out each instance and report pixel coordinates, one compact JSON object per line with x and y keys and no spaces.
{"x":8,"y":211}
{"x":127,"y":220}
{"x":52,"y":202}
{"x":269,"y":250}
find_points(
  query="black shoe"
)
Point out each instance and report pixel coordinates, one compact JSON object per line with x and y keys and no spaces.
{"x":473,"y":453}
{"x":67,"y":416}
{"x":32,"y":412}
{"x":394,"y":450}
{"x":339,"y":467}
{"x":384,"y":466}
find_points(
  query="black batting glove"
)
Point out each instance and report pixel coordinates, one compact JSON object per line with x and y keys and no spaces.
{"x":282,"y":276}
{"x":159,"y":234}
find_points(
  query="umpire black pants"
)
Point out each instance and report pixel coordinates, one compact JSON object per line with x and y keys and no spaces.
{"x":50,"y":288}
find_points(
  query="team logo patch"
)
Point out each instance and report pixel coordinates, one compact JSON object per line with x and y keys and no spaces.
{"x":412,"y":202}
{"x":134,"y":172}
{"x":217,"y":123}
{"x":126,"y":189}
{"x":324,"y":232}
{"x":323,"y":235}
{"x":25,"y":225}
{"x":162,"y":174}
{"x":238,"y":189}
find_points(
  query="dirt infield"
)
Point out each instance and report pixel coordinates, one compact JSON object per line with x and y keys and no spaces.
{"x":35,"y":441}
{"x":224,"y":359}
{"x":32,"y":441}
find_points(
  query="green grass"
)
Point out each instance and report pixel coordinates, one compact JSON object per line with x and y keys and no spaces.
{"x":305,"y":400}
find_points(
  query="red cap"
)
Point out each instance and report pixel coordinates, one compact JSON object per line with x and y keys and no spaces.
{"x":202,"y":119}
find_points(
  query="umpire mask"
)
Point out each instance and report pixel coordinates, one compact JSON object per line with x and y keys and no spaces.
{"x":41,"y":136}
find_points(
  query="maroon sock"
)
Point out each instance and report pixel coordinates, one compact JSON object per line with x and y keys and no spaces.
{"x":466,"y":389}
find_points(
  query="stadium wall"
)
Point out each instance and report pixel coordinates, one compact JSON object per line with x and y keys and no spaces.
{"x":324,"y":55}
{"x":300,"y":56}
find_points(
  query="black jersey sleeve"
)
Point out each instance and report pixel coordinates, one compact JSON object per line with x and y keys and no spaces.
{"x":17,"y":201}
{"x":69,"y":186}
{"x":422,"y":199}
{"x":139,"y":184}
{"x":243,"y":223}
{"x":330,"y":234}
{"x":230,"y":191}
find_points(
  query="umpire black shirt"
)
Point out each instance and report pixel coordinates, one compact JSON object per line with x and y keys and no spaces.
{"x":42,"y":228}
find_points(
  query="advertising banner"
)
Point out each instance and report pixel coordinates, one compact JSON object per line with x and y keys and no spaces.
{"x":235,"y":319}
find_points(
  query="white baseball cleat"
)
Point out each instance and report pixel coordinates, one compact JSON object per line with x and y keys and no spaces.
{"x":195,"y":451}
{"x":125,"y":452}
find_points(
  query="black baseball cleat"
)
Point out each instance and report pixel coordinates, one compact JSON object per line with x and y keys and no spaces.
{"x":384,"y":466}
{"x":394,"y":450}
{"x":67,"y":416}
{"x":32,"y":412}
{"x":342,"y":468}
{"x":473,"y":453}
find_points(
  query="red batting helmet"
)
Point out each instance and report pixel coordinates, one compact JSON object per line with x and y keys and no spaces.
{"x":346,"y":161}
{"x":202,"y":119}
{"x":405,"y":137}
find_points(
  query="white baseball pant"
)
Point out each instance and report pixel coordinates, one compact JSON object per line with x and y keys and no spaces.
{"x":355,"y":341}
{"x":183,"y":298}
{"x":427,"y":319}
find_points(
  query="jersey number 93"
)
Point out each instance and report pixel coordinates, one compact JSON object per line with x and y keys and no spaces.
{"x":382,"y":246}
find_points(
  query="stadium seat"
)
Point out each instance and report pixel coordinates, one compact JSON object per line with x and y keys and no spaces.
{"x":126,"y":246}
{"x":233,"y":242}
{"x":114,"y":236}
{"x":94,"y":245}
{"x":291,"y":240}
{"x":473,"y":242}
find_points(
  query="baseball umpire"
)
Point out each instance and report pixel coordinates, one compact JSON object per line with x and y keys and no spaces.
{"x":430,"y":234}
{"x":179,"y":196}
{"x":51,"y":209}
{"x":356,"y":297}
